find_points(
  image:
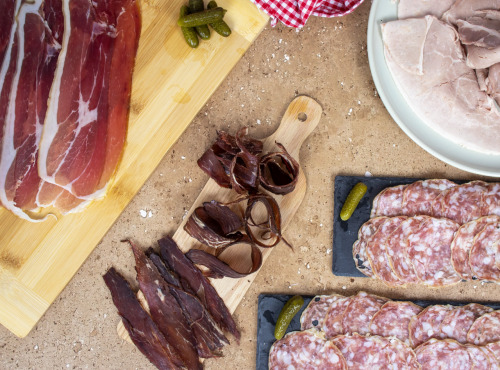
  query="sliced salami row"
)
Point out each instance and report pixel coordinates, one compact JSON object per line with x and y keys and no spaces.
{"x":439,"y":198}
{"x":428,"y":250}
{"x":367,"y":314}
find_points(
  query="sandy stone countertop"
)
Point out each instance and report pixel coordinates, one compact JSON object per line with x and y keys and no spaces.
{"x":326,"y":60}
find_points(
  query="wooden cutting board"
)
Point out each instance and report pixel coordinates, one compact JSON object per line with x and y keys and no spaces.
{"x":299,"y":120}
{"x":171,"y":83}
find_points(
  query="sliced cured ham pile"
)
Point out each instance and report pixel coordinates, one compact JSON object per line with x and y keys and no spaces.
{"x":432,"y":232}
{"x":65,"y":81}
{"x":182,"y":319}
{"x":375,"y":332}
{"x":445,"y":58}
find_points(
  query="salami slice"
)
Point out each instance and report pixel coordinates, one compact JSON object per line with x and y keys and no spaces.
{"x":332,"y":325}
{"x":360,"y":312}
{"x":397,"y":250}
{"x":418,"y":197}
{"x":388,"y":202}
{"x":481,"y":359}
{"x":305,"y":350}
{"x":314,"y":314}
{"x":430,"y":252}
{"x":483,"y":254}
{"x":376,"y":252}
{"x":365,"y":233}
{"x":495,"y":349}
{"x":458,"y":321}
{"x":462,"y":244}
{"x":427,"y":324}
{"x":393,"y":318}
{"x":492,"y":200}
{"x":485,"y":329}
{"x":464,"y":203}
{"x":443,"y":355}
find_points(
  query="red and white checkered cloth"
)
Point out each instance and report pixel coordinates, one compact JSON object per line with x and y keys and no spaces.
{"x":295,"y":13}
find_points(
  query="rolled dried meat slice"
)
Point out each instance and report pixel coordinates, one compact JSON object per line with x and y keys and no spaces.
{"x":485,"y":329}
{"x":388,"y":202}
{"x":491,"y":200}
{"x":360,"y":312}
{"x":430,"y":252}
{"x":418,"y":197}
{"x":443,"y":355}
{"x":365,"y":233}
{"x":484,"y":252}
{"x":393,"y":318}
{"x":314,"y":314}
{"x":305,"y":350}
{"x":332,"y":324}
{"x":464,"y":203}
{"x":427,"y":324}
{"x":462,"y":244}
{"x":458,"y":321}
{"x":397,"y":250}
{"x":376,"y":252}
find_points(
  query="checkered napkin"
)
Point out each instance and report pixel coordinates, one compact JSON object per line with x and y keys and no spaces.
{"x":294,"y":13}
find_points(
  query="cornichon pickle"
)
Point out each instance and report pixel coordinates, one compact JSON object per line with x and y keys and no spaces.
{"x":286,"y":315}
{"x":196,"y":6}
{"x":201,"y":18}
{"x":189,"y":32}
{"x":221,"y":26}
{"x":352,"y":201}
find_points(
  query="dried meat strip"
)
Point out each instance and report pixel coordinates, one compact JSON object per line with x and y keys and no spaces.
{"x":359,"y":253}
{"x":278,"y":172}
{"x":141,"y":328}
{"x":443,"y":354}
{"x":332,"y":324}
{"x":360,"y":311}
{"x":484,"y":252}
{"x":165,"y":310}
{"x":430,"y":252}
{"x":314,"y":314}
{"x":388,"y":202}
{"x":306,"y":350}
{"x":418,"y":196}
{"x":462,"y":244}
{"x":376,"y":252}
{"x":457,"y":322}
{"x":392,"y":320}
{"x":485,"y":329}
{"x":464,"y":203}
{"x":427,"y":324}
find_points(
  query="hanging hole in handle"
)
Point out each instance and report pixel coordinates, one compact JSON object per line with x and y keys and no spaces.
{"x":302,"y":117}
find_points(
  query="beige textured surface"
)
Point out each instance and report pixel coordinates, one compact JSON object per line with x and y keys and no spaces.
{"x":326,"y":60}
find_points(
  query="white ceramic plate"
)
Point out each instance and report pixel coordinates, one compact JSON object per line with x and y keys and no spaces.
{"x":433,"y":142}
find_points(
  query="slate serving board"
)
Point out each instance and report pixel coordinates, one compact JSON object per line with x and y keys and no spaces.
{"x":270,"y":305}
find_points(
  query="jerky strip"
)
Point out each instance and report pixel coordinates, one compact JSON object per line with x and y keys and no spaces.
{"x":278,"y":172}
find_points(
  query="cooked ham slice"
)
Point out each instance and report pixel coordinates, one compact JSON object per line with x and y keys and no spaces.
{"x":446,"y":93}
{"x":421,"y":8}
{"x":492,"y":82}
{"x":463,"y":9}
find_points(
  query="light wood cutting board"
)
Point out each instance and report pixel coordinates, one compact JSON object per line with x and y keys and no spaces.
{"x":299,"y":120}
{"x":171,"y":83}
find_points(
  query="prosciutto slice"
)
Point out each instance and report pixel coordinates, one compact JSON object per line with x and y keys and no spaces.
{"x":86,"y":120}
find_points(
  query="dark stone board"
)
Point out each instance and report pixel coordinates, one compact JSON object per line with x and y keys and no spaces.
{"x":270,"y":305}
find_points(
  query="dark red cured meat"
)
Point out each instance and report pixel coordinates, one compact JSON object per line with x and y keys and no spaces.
{"x":376,"y":252}
{"x":485,"y":329}
{"x":418,"y":196}
{"x":484,"y":252}
{"x":306,"y":350}
{"x":366,"y":232}
{"x":360,"y":311}
{"x":443,"y":355}
{"x":430,"y":251}
{"x":314,"y":314}
{"x":279,"y":172}
{"x":141,"y":328}
{"x":457,"y":322}
{"x":464,"y":203}
{"x":393,"y":318}
{"x":427,"y":324}
{"x":190,"y":276}
{"x":491,"y":200}
{"x":462,"y":244}
{"x":332,"y":324}
{"x":388,"y":202}
{"x":165,"y":310}
{"x":397,"y":250}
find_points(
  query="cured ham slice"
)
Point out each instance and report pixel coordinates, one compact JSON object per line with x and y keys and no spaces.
{"x":86,"y":120}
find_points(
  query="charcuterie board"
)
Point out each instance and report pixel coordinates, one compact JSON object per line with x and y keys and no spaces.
{"x":270,"y":305}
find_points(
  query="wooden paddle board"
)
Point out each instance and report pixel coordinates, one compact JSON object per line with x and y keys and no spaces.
{"x":171,"y":83}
